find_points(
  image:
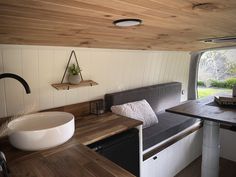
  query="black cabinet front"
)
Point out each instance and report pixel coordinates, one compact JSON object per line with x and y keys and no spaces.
{"x":122,"y":149}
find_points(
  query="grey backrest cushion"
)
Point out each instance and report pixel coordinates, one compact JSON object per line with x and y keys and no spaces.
{"x":160,"y":96}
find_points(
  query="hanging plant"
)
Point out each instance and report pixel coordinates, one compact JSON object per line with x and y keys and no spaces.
{"x":74,"y":70}
{"x":74,"y":74}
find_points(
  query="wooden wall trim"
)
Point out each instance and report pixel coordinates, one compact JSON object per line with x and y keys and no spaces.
{"x":78,"y":110}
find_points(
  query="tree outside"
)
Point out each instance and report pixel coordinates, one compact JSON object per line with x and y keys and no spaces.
{"x":217,"y":72}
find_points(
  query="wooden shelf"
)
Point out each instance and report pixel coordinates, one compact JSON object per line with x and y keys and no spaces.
{"x":67,"y":86}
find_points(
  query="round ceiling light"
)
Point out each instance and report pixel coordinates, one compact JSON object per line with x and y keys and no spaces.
{"x":127,"y":22}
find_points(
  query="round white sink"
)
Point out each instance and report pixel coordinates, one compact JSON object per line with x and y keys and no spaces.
{"x":41,"y":130}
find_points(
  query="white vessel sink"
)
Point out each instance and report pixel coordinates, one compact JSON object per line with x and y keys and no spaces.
{"x":41,"y":130}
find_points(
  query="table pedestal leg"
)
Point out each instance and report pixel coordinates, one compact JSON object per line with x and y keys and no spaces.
{"x":210,"y":149}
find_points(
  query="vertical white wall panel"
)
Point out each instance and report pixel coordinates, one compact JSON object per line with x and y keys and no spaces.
{"x":114,"y":70}
{"x":30,"y":72}
{"x":99,"y":73}
{"x":60,"y":58}
{"x":45,"y":61}
{"x":146,"y":77}
{"x":3,"y":111}
{"x":12,"y":62}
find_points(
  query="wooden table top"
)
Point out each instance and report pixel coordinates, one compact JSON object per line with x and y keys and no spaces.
{"x":72,"y":158}
{"x":206,"y":109}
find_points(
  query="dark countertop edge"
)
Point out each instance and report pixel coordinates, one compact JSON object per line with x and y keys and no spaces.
{"x":203,"y":101}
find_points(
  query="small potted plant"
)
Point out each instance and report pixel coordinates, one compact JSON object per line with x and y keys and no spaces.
{"x":74,"y":76}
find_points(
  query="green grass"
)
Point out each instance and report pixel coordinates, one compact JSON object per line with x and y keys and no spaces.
{"x":204,"y":92}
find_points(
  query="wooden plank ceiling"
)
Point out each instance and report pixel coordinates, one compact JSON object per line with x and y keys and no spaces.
{"x":167,"y":25}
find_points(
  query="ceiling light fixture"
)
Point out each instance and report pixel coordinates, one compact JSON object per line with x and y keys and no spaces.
{"x":220,"y":39}
{"x":127,"y":22}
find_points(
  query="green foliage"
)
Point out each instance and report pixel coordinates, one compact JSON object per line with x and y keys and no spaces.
{"x":74,"y":70}
{"x":229,"y":83}
{"x":218,"y":84}
{"x":201,"y":83}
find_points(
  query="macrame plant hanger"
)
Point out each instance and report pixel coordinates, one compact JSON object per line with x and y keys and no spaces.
{"x":72,"y":52}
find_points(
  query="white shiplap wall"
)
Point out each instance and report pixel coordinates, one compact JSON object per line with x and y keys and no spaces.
{"x":114,"y":70}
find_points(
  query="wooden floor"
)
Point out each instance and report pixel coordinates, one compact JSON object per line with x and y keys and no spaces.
{"x":227,"y":169}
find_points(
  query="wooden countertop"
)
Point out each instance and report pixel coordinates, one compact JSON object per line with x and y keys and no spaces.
{"x":72,"y":158}
{"x":206,"y":109}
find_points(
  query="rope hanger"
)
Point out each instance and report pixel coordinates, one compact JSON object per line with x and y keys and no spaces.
{"x":77,"y":63}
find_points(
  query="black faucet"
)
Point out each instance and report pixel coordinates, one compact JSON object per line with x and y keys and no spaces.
{"x":4,"y":171}
{"x":20,"y":79}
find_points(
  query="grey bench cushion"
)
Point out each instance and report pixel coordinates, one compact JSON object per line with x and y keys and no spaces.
{"x":160,"y":97}
{"x":169,"y":125}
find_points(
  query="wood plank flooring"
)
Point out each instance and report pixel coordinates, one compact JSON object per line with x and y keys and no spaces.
{"x":227,"y":169}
